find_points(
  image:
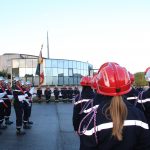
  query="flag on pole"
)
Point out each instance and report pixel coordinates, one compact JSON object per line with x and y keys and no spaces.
{"x":39,"y":69}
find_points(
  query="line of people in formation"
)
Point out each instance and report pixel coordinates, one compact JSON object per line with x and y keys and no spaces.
{"x":64,"y":93}
{"x":20,"y":95}
{"x":110,"y":113}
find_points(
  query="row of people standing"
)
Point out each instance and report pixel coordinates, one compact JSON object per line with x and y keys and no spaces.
{"x":111,"y":117}
{"x":64,"y":93}
{"x":21,"y":98}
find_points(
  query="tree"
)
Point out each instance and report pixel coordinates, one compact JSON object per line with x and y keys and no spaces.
{"x":5,"y":73}
{"x":140,"y":79}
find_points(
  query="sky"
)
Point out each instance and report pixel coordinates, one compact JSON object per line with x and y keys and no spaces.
{"x":94,"y":31}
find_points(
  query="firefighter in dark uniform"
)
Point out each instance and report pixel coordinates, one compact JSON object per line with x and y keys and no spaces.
{"x":62,"y":91}
{"x":2,"y":104}
{"x":8,"y":102}
{"x":115,"y":124}
{"x":47,"y":94}
{"x":70,"y":93}
{"x":87,"y":95}
{"x":143,"y":102}
{"x":56,"y":93}
{"x":39,"y":93}
{"x":29,"y":93}
{"x":18,"y":105}
{"x":76,"y":92}
{"x":132,"y":96}
{"x":26,"y":105}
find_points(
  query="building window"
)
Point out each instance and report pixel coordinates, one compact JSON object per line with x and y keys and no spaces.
{"x":15,"y":63}
{"x":65,"y":63}
{"x":60,"y":64}
{"x":70,"y":80}
{"x":54,"y":63}
{"x":70,"y":64}
{"x":74,"y":64}
{"x":65,"y":72}
{"x":22,"y":63}
{"x":70,"y":72}
{"x":60,"y":80}
{"x":48,"y":71}
{"x":66,"y":80}
{"x":55,"y":72}
{"x":28,"y":63}
{"x":48,"y":63}
{"x":34,"y":63}
{"x":78,"y":65}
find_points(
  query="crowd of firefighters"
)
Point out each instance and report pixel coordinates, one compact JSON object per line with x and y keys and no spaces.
{"x":21,"y":98}
{"x":20,"y":95}
{"x":64,"y":93}
{"x":110,"y":113}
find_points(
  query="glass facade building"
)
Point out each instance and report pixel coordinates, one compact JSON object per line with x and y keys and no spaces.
{"x":56,"y":71}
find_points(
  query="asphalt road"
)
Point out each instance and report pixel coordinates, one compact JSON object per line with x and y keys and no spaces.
{"x":52,"y":130}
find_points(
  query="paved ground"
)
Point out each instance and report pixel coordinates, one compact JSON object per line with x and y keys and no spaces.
{"x":52,"y":130}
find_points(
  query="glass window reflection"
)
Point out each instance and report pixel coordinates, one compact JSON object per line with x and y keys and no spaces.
{"x":48,"y":71}
{"x":70,"y":72}
{"x":60,"y":80}
{"x":78,"y":65}
{"x":48,"y":80}
{"x":54,"y":63}
{"x":65,"y":72}
{"x":70,"y":64}
{"x":60,"y":72}
{"x":47,"y":63}
{"x":66,"y":80}
{"x":74,"y":64}
{"x":55,"y":72}
{"x":70,"y":80}
{"x":54,"y":80}
{"x":65,"y":63}
{"x":60,"y":64}
{"x":82,"y":65}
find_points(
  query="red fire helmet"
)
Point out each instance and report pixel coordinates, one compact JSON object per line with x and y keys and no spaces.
{"x":104,"y":65}
{"x":85,"y":81}
{"x":113,"y":80}
{"x":131,"y":77}
{"x":93,"y":81}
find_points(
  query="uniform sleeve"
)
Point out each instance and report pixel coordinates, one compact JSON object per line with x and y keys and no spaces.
{"x":76,"y":117}
{"x":143,"y":142}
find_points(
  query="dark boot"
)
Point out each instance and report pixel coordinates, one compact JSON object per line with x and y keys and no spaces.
{"x":30,"y":122}
{"x":20,"y":132}
{"x":8,"y":122}
{"x":26,"y":126}
{"x":3,"y":127}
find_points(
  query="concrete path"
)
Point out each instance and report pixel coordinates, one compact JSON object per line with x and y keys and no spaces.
{"x":52,"y":130}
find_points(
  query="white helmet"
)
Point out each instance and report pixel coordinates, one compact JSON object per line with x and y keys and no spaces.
{"x":28,"y":83}
{"x":22,"y":82}
{"x":147,"y":74}
{"x":6,"y":81}
{"x":17,"y":79}
{"x":1,"y":78}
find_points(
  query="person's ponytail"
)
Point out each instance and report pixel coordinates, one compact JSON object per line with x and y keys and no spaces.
{"x":118,"y":112}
